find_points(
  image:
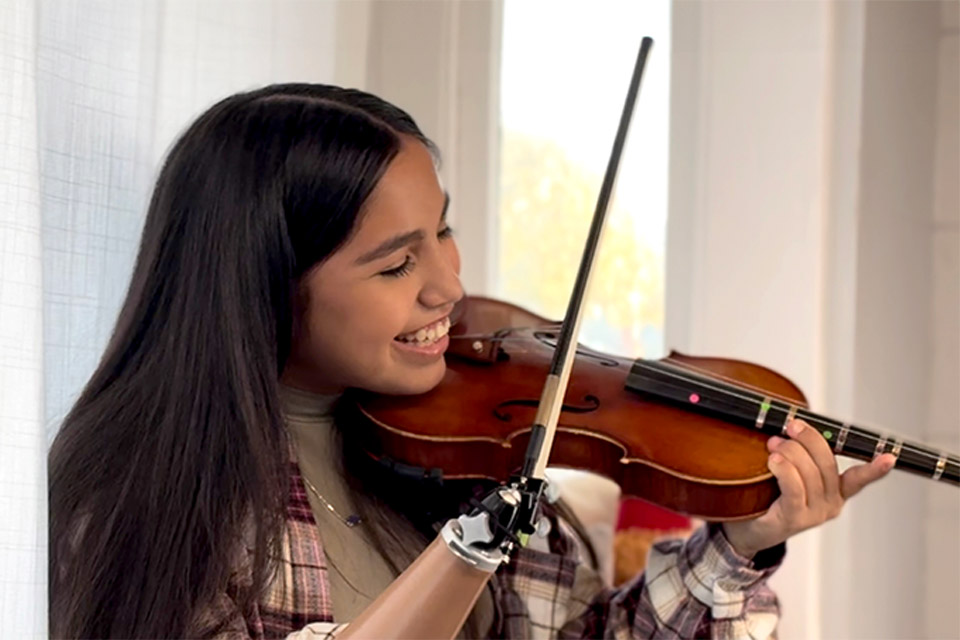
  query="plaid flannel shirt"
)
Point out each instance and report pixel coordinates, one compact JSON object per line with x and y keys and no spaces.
{"x":694,"y":588}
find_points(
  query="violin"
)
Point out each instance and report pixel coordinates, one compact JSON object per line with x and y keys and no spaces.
{"x":687,"y":433}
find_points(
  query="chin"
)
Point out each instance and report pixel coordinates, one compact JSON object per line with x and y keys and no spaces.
{"x":405,"y":384}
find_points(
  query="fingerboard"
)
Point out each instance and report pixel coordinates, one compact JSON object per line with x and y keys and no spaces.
{"x":749,"y":408}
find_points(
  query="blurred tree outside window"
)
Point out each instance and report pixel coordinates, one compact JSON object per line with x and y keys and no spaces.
{"x":564,"y":73}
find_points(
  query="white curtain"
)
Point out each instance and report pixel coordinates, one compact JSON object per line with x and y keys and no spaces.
{"x":22,"y":441}
{"x":92,"y":93}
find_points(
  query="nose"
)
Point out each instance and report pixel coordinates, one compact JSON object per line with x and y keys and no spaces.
{"x":442,"y":282}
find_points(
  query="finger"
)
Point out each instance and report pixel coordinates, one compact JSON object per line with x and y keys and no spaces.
{"x":856,"y":478}
{"x":815,"y":444}
{"x":800,"y":458}
{"x":793,"y":496}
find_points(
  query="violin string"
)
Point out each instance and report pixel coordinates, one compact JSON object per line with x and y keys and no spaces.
{"x":704,"y":378}
{"x":678,"y":363}
{"x":746,"y":386}
{"x":813,"y":419}
{"x":704,"y":375}
{"x":867,"y":435}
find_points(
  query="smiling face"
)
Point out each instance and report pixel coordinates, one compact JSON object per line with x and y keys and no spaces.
{"x":397,"y":273}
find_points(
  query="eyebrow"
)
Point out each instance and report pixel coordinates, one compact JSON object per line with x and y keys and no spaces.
{"x":401,"y":240}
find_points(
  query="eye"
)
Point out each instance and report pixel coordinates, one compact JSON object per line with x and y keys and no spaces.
{"x":402,"y":270}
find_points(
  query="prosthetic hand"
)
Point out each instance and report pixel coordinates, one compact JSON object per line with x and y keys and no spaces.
{"x":434,"y":596}
{"x":500,"y":522}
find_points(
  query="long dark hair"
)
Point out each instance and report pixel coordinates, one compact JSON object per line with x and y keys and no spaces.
{"x":177,"y":441}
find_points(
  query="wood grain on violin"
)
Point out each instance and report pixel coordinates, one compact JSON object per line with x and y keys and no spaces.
{"x":684,"y":432}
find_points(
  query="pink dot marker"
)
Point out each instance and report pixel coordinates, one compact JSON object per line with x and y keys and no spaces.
{"x":694,"y":398}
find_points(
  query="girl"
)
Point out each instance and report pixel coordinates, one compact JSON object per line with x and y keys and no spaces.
{"x":296,"y":247}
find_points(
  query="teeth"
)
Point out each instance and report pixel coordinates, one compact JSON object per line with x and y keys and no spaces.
{"x":428,"y":335}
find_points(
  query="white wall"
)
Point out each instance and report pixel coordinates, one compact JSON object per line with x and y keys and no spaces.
{"x":804,"y":235}
{"x":439,"y":60}
{"x":211,"y":49}
{"x":745,"y":243}
{"x":942,"y":519}
{"x":892,"y":356}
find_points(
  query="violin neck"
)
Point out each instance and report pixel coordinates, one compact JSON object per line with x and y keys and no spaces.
{"x":752,"y":409}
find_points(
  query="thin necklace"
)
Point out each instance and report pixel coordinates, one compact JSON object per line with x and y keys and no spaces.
{"x":351,"y":521}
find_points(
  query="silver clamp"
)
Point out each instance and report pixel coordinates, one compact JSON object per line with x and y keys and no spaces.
{"x":499,"y":523}
{"x":461,"y":536}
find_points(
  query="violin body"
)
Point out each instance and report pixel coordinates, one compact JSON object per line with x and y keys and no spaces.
{"x":476,"y":422}
{"x":683,"y":432}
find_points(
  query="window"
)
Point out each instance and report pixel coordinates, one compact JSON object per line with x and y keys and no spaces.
{"x":562,"y":91}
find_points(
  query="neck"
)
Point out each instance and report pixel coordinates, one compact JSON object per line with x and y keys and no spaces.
{"x":296,"y":376}
{"x":306,"y":404}
{"x":752,"y":408}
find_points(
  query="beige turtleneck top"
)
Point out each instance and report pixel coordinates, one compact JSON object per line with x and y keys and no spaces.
{"x":357,"y":572}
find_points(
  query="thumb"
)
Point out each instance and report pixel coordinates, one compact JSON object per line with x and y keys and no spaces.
{"x":856,"y":478}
